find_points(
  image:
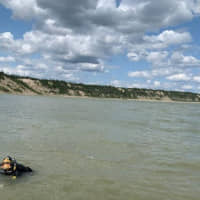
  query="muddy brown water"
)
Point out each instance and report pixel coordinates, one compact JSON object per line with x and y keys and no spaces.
{"x":84,"y":149}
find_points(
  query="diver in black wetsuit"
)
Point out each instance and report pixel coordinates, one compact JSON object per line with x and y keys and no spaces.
{"x":12,"y":168}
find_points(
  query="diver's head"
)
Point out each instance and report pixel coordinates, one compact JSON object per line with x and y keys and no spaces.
{"x":7,"y":163}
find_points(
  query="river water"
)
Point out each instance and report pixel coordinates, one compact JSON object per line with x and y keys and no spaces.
{"x":94,"y":149}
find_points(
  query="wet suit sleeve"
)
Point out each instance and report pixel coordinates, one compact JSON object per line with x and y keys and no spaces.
{"x":19,"y":169}
{"x":15,"y":172}
{"x":22,"y":168}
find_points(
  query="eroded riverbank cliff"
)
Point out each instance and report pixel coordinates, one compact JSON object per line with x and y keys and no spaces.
{"x":30,"y":86}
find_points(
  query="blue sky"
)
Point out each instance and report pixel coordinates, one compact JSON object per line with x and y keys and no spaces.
{"x":124,"y":43}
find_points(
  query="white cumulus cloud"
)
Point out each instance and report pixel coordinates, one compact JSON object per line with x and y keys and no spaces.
{"x":140,"y":74}
{"x":179,"y":77}
{"x":75,"y":36}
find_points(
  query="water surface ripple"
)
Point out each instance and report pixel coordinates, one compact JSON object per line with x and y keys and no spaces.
{"x":101,"y":149}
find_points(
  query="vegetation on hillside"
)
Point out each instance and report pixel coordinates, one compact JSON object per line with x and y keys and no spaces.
{"x":20,"y":85}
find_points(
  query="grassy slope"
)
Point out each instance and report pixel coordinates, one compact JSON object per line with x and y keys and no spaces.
{"x":17,"y":85}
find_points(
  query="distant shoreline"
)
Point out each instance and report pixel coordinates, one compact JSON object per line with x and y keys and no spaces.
{"x":12,"y":84}
{"x":101,"y":98}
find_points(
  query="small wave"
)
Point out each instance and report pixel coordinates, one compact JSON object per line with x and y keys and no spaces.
{"x":91,"y":157}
